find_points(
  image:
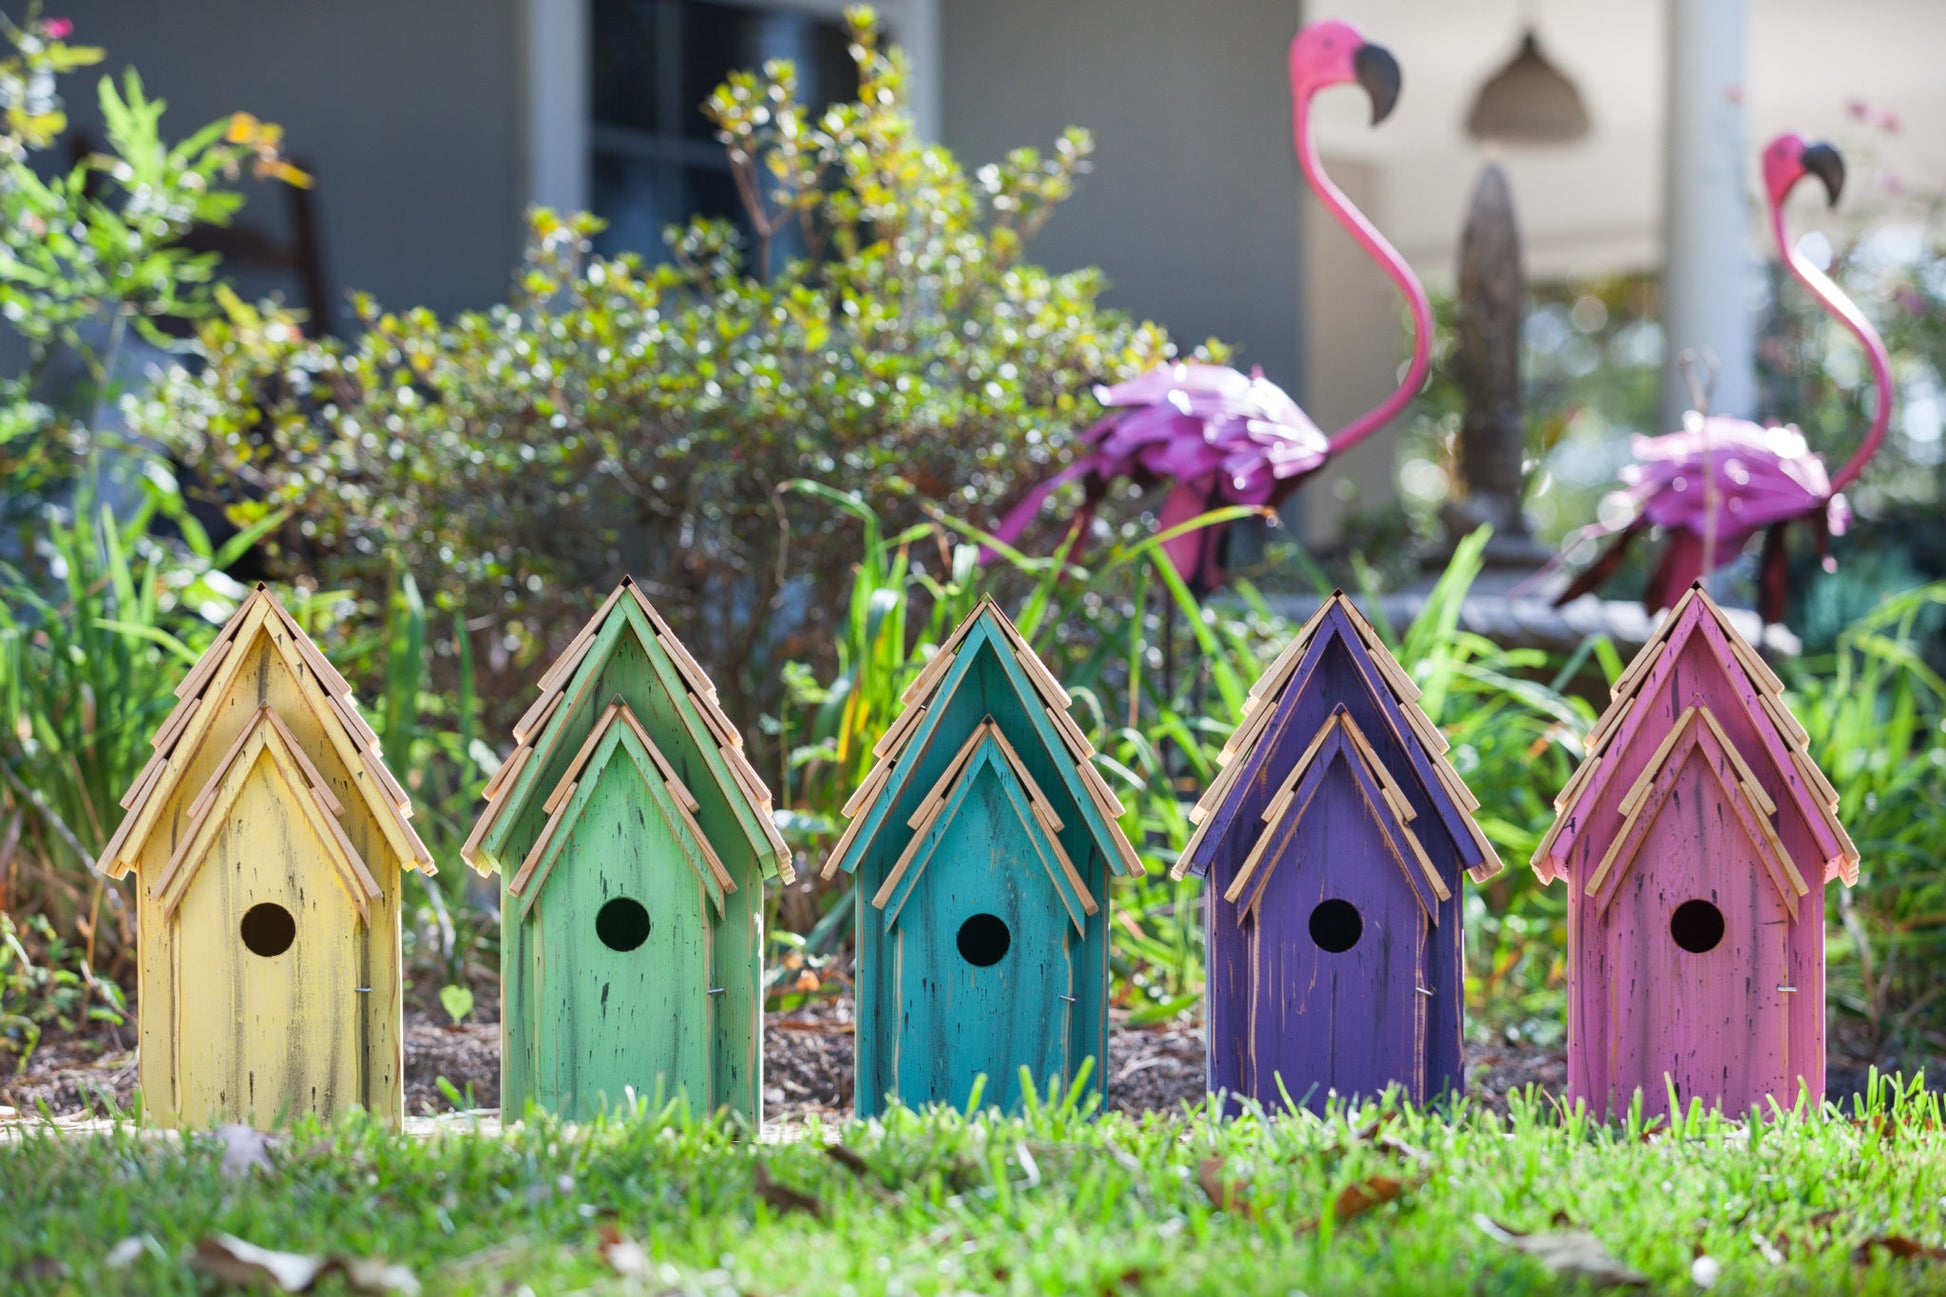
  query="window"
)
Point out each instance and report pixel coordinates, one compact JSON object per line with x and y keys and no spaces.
{"x":653,"y":159}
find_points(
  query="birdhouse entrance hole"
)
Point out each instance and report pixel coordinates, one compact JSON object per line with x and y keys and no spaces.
{"x":268,"y":929}
{"x":622,"y":924}
{"x":1697,"y":926}
{"x":984,"y":940}
{"x":1335,"y":926}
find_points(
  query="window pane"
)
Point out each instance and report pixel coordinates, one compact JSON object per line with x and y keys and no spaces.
{"x":626,"y":50}
{"x":640,"y":197}
{"x":719,"y":39}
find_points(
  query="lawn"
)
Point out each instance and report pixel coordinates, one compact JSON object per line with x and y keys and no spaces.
{"x":1378,"y":1201}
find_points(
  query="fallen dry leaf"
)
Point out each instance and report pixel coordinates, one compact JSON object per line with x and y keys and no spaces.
{"x":1898,"y":1246}
{"x":231,"y":1259}
{"x":244,"y":1150}
{"x":1569,"y":1253}
{"x":1357,"y":1199}
{"x":1226,"y":1195}
{"x":126,"y":1253}
{"x":624,"y":1255}
{"x":783,"y":1198}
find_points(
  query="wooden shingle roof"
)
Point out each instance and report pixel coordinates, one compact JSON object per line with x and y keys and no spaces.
{"x":1272,"y":706}
{"x":1698,"y":663}
{"x":326,"y":695}
{"x":567,"y":712}
{"x":1038,"y":718}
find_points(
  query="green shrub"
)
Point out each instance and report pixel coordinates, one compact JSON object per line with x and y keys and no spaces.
{"x":620,"y":416}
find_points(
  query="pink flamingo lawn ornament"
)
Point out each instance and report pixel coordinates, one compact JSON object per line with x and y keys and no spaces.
{"x":1721,"y":480}
{"x":1222,"y":437}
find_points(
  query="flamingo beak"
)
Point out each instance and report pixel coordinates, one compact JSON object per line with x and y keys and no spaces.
{"x":1828,"y":165}
{"x":1378,"y":72}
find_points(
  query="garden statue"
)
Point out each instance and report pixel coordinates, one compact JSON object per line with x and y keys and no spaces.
{"x":1219,"y":437}
{"x":1722,"y":480}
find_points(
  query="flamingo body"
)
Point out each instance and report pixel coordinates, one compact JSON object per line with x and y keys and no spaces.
{"x":1721,"y":481}
{"x":1220,"y":436}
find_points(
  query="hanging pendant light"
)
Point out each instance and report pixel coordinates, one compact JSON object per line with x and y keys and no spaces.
{"x":1529,"y":101}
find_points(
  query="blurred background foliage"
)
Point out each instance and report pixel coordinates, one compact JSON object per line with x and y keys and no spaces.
{"x":797,"y":459}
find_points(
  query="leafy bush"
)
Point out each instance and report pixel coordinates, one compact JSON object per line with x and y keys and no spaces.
{"x":616,"y":415}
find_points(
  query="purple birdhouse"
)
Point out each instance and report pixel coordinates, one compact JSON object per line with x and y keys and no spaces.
{"x":1696,"y":839}
{"x":1333,"y":844}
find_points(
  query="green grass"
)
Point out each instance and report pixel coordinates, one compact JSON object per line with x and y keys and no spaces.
{"x":1052,"y":1202}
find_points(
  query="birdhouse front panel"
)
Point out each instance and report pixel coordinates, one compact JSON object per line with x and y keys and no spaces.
{"x":1696,"y":838}
{"x":628,"y":796}
{"x":1333,"y":842}
{"x":1338,"y":1003}
{"x":623,"y":980}
{"x":270,"y":1019}
{"x":982,"y":843}
{"x":1699,"y":919}
{"x":263,"y":693}
{"x":983,"y":949}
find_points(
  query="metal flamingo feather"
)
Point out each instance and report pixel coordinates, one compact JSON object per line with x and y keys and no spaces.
{"x":1720,"y":481}
{"x":1221,"y":437}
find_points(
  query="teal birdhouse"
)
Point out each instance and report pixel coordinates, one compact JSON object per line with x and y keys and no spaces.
{"x":982,"y":844}
{"x":633,"y":839}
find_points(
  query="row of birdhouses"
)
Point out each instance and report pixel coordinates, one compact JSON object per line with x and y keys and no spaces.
{"x":633,"y":840}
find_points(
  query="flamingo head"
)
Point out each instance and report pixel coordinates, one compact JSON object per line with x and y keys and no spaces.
{"x":1332,"y":53}
{"x":1790,"y":157}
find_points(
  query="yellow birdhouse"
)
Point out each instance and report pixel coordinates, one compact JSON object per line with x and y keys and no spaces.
{"x":268,"y":842}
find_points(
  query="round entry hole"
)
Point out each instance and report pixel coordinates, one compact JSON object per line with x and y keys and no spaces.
{"x":268,"y":929}
{"x":1697,"y":926}
{"x":1335,"y":926}
{"x":622,"y":924}
{"x":984,"y":940}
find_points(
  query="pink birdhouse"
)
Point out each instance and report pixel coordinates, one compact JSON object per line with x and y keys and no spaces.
{"x":1696,"y":839}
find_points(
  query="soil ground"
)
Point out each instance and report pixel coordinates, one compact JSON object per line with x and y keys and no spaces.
{"x":807,"y":1067}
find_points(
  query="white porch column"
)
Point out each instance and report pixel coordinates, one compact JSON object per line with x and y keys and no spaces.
{"x":1708,"y":279}
{"x":554,"y":48}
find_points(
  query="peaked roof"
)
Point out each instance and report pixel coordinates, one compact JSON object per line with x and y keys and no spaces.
{"x":1270,"y":707}
{"x":1697,"y":739}
{"x":986,"y":634}
{"x":1340,"y":740}
{"x":986,"y":754}
{"x":619,"y":733}
{"x":1773,"y":761}
{"x":266,"y":740}
{"x":565,"y":694}
{"x":326,"y":695}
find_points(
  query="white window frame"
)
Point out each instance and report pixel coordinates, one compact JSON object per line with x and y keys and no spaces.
{"x":554,"y":41}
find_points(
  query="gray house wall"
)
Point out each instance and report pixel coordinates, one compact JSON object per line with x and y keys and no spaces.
{"x":409,"y":114}
{"x":1192,"y":207}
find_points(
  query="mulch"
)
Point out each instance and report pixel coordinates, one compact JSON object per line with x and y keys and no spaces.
{"x":807,"y":1067}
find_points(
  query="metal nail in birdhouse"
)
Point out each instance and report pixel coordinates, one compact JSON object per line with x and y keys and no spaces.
{"x":1333,"y":843}
{"x":1696,"y":838}
{"x":981,"y":845}
{"x":633,"y":839}
{"x":268,"y":841}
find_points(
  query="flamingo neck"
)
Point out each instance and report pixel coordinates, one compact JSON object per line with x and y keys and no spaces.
{"x":1390,"y":261}
{"x":1833,"y":299}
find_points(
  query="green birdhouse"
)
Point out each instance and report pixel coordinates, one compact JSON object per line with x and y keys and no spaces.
{"x":982,"y":844}
{"x":633,"y":839}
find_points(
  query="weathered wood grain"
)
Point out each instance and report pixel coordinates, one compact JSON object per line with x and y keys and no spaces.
{"x":266,"y":787}
{"x":982,"y":797}
{"x":627,"y":719}
{"x":1334,"y":790}
{"x":1696,"y":787}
